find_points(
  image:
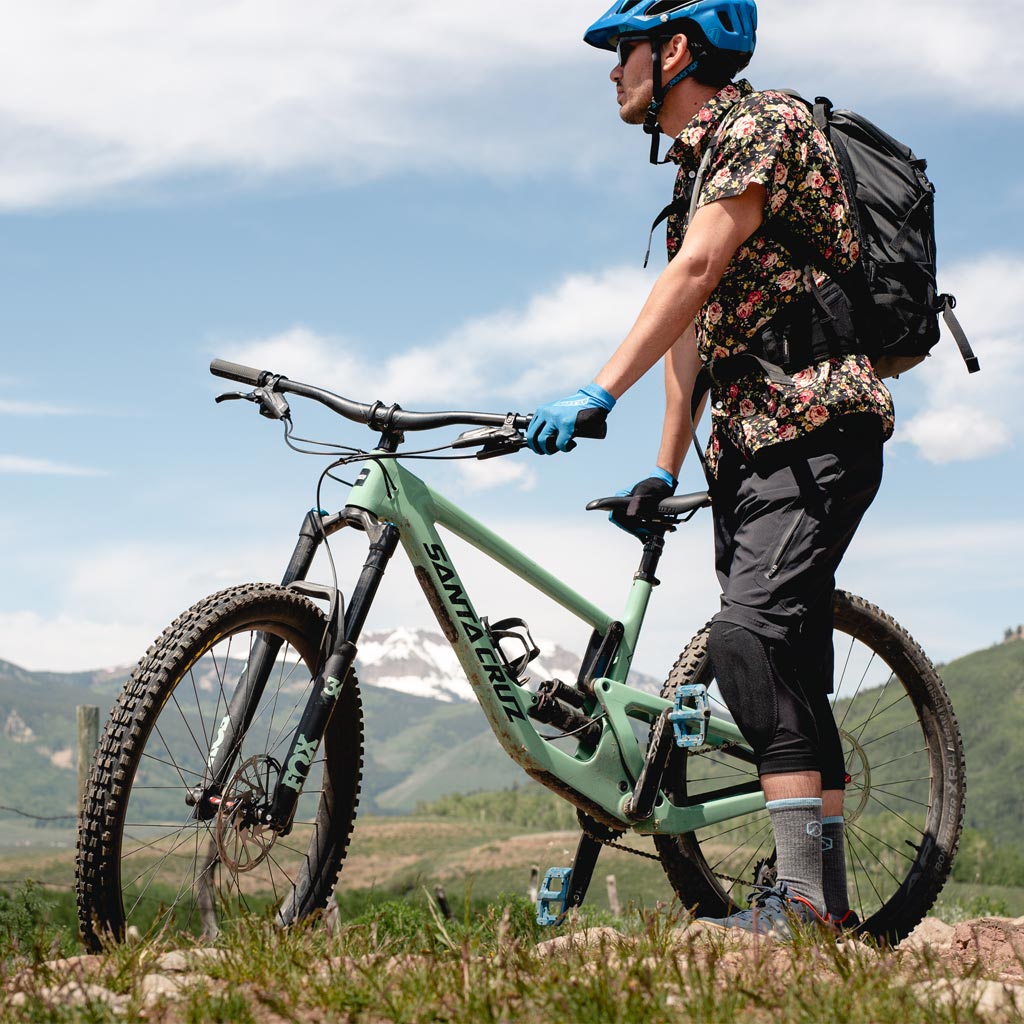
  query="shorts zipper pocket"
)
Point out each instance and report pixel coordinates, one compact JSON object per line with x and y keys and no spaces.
{"x":776,"y":559}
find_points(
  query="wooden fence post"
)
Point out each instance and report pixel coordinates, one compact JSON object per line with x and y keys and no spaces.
{"x":613,"y":896}
{"x":88,"y":741}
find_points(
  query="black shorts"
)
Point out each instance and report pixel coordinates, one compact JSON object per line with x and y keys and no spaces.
{"x":783,"y":521}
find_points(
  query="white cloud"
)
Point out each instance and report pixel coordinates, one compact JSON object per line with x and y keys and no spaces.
{"x":971,"y":416}
{"x":559,"y":339}
{"x":109,"y":601}
{"x":100,"y":94}
{"x":951,"y":584}
{"x":16,"y":407}
{"x":490,"y":474}
{"x":954,"y":53}
{"x":19,"y":464}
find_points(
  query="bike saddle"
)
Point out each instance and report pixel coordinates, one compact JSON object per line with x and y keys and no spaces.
{"x":676,"y":506}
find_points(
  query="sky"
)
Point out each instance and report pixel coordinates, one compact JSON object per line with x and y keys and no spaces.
{"x":435,"y":204}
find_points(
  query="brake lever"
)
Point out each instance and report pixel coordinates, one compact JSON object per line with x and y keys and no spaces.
{"x":502,"y":445}
{"x":272,"y":405}
{"x":493,"y":441}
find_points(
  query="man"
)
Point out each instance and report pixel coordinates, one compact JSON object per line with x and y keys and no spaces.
{"x":795,"y":454}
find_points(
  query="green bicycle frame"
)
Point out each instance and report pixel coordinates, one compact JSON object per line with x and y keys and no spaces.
{"x":603,"y":776}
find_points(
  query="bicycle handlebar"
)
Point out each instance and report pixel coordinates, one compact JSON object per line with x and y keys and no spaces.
{"x":377,"y":415}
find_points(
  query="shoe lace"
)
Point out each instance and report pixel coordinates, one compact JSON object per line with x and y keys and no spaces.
{"x":762,"y":893}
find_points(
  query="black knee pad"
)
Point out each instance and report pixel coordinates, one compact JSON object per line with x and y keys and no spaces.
{"x":833,"y":768}
{"x":747,"y":682}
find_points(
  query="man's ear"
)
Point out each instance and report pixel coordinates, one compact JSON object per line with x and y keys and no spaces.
{"x":675,"y":54}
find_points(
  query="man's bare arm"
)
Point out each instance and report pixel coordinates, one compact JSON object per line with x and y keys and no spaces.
{"x":681,"y":367}
{"x":715,"y":233}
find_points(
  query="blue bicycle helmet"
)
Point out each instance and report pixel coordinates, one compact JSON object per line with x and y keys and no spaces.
{"x":724,"y":29}
{"x":726,"y":24}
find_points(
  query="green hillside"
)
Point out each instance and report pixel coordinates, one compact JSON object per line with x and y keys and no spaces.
{"x":420,"y":749}
{"x":987,"y":690}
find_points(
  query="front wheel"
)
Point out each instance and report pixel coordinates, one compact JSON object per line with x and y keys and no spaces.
{"x":147,"y":857}
{"x":905,"y":791}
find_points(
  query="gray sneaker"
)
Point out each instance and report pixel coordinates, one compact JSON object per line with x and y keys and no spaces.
{"x":773,"y":912}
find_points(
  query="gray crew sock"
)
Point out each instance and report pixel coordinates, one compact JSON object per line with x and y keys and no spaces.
{"x":833,"y":866}
{"x":797,"y":826}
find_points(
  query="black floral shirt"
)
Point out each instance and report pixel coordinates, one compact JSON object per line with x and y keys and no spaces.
{"x":770,"y":139}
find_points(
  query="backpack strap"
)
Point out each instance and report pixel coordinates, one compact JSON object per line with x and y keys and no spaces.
{"x":728,"y":371}
{"x":948,"y":305}
{"x":682,"y":202}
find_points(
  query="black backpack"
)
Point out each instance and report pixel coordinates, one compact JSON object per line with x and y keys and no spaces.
{"x":894,"y":206}
{"x":890,"y":299}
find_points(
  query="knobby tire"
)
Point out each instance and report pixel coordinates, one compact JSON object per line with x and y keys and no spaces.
{"x":144,"y":859}
{"x":905,"y":794}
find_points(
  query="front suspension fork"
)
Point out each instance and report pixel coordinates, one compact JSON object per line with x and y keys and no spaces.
{"x":328,"y":682}
{"x":327,"y":685}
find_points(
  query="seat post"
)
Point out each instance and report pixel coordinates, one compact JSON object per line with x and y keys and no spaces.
{"x":654,"y":545}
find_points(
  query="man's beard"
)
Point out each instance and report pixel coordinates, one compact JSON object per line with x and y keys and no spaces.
{"x":634,"y":110}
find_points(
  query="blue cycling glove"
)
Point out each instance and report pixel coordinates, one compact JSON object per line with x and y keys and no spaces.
{"x":646,"y":494}
{"x":554,"y":425}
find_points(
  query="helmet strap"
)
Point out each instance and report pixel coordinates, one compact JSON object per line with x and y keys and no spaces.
{"x":658,"y":94}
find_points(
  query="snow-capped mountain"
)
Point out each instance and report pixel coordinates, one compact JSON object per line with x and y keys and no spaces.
{"x":423,"y":664}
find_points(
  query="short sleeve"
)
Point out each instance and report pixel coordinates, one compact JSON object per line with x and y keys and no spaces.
{"x":757,"y":147}
{"x":773,"y":142}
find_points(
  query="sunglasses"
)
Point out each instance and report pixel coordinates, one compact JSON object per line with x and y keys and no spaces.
{"x":626,"y":45}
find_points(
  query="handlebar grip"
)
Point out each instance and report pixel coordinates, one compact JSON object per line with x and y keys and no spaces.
{"x":591,"y":423}
{"x":236,"y":371}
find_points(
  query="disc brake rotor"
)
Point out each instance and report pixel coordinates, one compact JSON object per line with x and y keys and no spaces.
{"x":858,"y":771}
{"x":242,"y":842}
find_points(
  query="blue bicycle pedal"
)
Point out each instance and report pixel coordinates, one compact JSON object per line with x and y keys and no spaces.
{"x":690,"y":724}
{"x":549,"y":896}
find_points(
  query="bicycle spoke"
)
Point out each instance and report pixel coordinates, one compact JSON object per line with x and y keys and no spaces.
{"x":867,"y":875}
{"x":892,"y":810}
{"x":146,"y":756}
{"x":876,"y":788}
{"x":858,"y":730}
{"x":878,"y":839}
{"x":878,"y":739}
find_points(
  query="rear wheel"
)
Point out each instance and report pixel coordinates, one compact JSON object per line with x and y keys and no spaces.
{"x":905,"y":791}
{"x":146,"y":858}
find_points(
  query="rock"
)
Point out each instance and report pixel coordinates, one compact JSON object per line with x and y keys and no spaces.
{"x":174,"y":961}
{"x":996,"y":943}
{"x":931,"y":933}
{"x":155,"y":987}
{"x":178,"y":960}
{"x":987,"y":996}
{"x":587,"y":938}
{"x":76,"y":966}
{"x":72,"y":993}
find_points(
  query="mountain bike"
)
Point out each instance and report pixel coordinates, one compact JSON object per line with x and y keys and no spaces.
{"x":228,"y":775}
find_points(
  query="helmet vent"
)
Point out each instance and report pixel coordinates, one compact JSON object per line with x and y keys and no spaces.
{"x":726,"y":21}
{"x":628,"y":5}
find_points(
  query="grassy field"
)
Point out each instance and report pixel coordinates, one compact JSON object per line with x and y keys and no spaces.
{"x":391,"y":956}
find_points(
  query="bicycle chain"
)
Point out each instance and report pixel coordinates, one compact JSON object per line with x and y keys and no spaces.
{"x":611,"y":844}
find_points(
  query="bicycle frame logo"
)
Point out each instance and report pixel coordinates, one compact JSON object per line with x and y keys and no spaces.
{"x":492,"y":665}
{"x":298,"y":767}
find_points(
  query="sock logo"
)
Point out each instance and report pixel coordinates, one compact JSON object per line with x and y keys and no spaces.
{"x":813,"y":829}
